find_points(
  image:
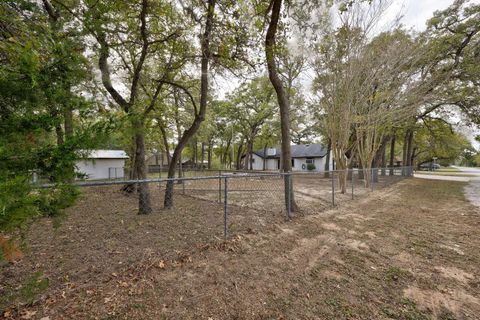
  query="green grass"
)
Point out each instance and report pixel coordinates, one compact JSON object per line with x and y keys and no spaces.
{"x":34,"y":286}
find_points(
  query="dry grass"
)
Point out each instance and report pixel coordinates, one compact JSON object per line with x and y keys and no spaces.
{"x":406,"y":252}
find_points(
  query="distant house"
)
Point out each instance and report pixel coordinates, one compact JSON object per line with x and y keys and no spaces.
{"x":102,"y":164}
{"x":158,"y":162}
{"x":304,"y":156}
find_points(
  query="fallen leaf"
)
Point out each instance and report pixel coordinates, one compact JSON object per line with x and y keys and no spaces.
{"x":28,"y":314}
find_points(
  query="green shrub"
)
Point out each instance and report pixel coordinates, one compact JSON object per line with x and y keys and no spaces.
{"x":310,"y":166}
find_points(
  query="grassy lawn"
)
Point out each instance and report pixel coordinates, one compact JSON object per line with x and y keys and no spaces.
{"x":406,"y":252}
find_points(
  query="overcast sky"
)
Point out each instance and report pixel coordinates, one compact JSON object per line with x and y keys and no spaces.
{"x":417,"y":12}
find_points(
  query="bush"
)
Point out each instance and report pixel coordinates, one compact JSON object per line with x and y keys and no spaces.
{"x":310,"y":166}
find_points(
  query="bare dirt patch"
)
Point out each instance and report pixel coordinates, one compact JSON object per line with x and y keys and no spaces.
{"x":385,"y":256}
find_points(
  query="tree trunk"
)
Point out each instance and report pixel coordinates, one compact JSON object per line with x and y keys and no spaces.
{"x":409,"y":148}
{"x":392,"y":155}
{"x":414,"y":154}
{"x":379,"y":159}
{"x":209,"y":156}
{"x":360,"y":171}
{"x":180,"y":167}
{"x":68,"y":128}
{"x":200,"y":116}
{"x":341,"y":165}
{"x":202,"y":156}
{"x":59,"y":134}
{"x":248,"y":155}
{"x":283,"y":102}
{"x":226,"y":152}
{"x":166,"y":146}
{"x":68,"y":122}
{"x":384,"y":161}
{"x":350,"y":171}
{"x":404,"y":152}
{"x":409,"y":152}
{"x":326,"y":174}
{"x":195,"y":156}
{"x":144,"y":205}
{"x":239,"y":155}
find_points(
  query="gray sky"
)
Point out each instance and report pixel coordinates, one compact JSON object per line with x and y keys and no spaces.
{"x":417,"y":12}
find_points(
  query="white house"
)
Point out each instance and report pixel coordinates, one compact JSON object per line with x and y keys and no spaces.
{"x":102,"y":164}
{"x":303,"y":157}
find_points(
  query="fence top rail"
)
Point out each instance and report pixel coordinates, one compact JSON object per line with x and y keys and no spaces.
{"x":223,"y":176}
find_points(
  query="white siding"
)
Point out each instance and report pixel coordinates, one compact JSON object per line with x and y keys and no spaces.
{"x":272,"y":164}
{"x":97,"y":169}
{"x":300,"y":164}
{"x":257,"y":162}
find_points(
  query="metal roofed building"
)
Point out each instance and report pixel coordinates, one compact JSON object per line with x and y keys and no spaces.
{"x":102,"y":164}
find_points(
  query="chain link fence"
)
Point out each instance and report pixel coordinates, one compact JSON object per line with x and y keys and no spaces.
{"x":242,"y":201}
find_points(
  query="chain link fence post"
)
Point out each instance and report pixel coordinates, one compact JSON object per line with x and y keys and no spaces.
{"x":225,"y":210}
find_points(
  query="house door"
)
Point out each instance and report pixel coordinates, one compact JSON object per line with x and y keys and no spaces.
{"x":278,"y":164}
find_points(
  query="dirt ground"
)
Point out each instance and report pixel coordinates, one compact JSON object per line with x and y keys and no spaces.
{"x":409,"y":251}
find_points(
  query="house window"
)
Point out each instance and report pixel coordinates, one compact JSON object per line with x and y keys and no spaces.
{"x":310,"y":161}
{"x":293,"y":162}
{"x":252,"y":160}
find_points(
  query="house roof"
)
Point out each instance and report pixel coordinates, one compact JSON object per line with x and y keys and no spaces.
{"x":314,"y":150}
{"x":104,"y":154}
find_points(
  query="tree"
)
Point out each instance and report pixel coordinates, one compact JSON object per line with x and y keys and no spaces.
{"x":139,"y":42}
{"x":200,"y":112}
{"x":335,"y":85}
{"x":274,"y":10}
{"x":360,"y":81}
{"x":436,"y":138}
{"x":251,"y":105}
{"x":36,"y":74}
{"x":387,"y":65}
